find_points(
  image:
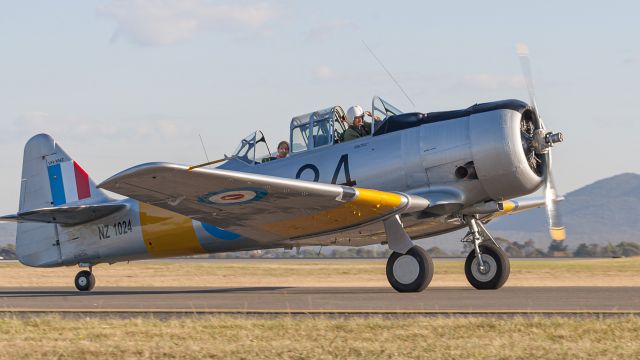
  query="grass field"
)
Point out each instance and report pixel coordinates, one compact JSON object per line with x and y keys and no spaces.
{"x":330,"y":272}
{"x":318,"y":338}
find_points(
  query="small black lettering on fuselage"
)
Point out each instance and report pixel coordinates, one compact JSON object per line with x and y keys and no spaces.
{"x":107,"y":231}
{"x":56,"y":161}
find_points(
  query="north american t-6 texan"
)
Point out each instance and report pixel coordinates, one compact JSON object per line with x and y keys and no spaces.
{"x":412,"y":176}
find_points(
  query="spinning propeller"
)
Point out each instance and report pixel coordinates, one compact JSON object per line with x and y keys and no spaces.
{"x":537,"y":143}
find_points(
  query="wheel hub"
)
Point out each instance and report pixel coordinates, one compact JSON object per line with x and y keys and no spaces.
{"x":82,"y":281}
{"x":483,"y":268}
{"x":406,"y":269}
{"x":486,"y":272}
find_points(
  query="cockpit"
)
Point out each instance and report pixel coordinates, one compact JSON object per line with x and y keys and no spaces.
{"x":317,"y":129}
{"x":311,"y":131}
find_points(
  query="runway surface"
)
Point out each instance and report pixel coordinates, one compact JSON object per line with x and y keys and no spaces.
{"x":261,"y":300}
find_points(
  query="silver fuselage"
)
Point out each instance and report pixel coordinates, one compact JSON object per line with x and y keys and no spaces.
{"x":420,"y":160}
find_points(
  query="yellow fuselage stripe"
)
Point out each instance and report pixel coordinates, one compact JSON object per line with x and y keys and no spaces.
{"x":367,"y":206}
{"x":166,"y":233}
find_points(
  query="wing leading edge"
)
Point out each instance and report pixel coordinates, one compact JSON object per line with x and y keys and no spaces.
{"x":265,"y":208}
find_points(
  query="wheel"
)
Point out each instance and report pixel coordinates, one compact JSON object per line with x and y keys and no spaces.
{"x":410,"y":272}
{"x":496,"y":270}
{"x":85,"y":281}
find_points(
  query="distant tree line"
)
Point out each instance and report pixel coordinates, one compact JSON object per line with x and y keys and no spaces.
{"x":624,"y":248}
{"x":8,"y":252}
{"x":513,"y":248}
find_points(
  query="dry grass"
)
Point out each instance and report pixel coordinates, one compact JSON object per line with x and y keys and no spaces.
{"x":342,"y":273}
{"x":318,"y":338}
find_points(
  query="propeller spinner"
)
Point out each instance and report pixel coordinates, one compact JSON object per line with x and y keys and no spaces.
{"x":539,"y":142}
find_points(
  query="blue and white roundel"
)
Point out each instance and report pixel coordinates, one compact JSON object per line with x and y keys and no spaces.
{"x":233,"y":197}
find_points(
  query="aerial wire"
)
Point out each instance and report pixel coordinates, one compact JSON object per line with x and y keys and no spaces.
{"x":388,"y":73}
{"x":203,"y":148}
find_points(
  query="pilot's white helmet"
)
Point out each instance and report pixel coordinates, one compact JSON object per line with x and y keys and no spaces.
{"x":354,"y":112}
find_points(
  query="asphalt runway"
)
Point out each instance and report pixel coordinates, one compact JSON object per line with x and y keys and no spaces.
{"x":297,"y":300}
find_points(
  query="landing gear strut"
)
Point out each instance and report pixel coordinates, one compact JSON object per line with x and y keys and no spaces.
{"x":85,"y":281}
{"x":487,"y":265}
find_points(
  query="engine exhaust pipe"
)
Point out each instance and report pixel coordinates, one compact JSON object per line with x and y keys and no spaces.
{"x":466,"y":171}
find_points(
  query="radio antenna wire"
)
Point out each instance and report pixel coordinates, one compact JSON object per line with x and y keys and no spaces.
{"x":388,"y":73}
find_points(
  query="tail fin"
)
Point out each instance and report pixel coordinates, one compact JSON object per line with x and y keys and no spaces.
{"x":50,"y":177}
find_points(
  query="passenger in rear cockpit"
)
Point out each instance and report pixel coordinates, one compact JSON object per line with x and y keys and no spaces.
{"x":357,"y":126}
{"x":283,"y":150}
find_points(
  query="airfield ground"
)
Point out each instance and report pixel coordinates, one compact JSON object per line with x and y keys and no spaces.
{"x":319,"y":273}
{"x":83,"y":334}
{"x":319,"y":338}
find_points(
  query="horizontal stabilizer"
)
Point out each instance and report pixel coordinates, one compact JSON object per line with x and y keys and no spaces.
{"x":66,"y":215}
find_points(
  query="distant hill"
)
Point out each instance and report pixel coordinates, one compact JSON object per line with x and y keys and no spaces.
{"x":606,"y":211}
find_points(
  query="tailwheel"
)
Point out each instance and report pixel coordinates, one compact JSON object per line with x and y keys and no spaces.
{"x":85,"y":281}
{"x":490,"y":273}
{"x":411,"y":271}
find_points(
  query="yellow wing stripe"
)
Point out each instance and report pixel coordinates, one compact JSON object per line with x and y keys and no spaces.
{"x":508,"y":206}
{"x":367,"y":206}
{"x":166,"y":233}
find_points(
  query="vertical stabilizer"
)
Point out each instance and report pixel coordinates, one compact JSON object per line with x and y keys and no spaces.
{"x":50,"y":177}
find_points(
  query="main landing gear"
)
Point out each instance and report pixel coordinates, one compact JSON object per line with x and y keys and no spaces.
{"x":411,"y":271}
{"x":410,"y":268}
{"x":487,"y":265}
{"x":85,"y":281}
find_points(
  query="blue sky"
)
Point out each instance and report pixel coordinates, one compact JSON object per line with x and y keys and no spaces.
{"x":119,"y":83}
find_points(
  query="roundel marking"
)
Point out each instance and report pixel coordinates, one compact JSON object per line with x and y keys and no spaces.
{"x":233,"y":196}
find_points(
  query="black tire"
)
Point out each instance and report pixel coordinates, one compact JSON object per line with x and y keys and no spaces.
{"x":497,"y":272}
{"x":415,"y":283}
{"x":85,"y":281}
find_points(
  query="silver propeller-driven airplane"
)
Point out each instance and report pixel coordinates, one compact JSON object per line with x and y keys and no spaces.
{"x":416,"y":175}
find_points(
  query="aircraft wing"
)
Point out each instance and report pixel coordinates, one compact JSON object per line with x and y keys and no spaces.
{"x":261,"y":207}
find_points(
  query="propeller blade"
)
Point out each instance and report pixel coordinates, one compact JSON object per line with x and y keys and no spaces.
{"x":556,"y":226}
{"x":523,"y":54}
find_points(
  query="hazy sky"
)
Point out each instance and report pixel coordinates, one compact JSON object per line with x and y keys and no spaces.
{"x":118,"y":83}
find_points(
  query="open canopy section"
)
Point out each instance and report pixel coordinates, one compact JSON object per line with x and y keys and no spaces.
{"x":381,"y":110}
{"x":253,"y":149}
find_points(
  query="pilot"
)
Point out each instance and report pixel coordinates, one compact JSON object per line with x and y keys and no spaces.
{"x":357,"y":126}
{"x":283,"y":150}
